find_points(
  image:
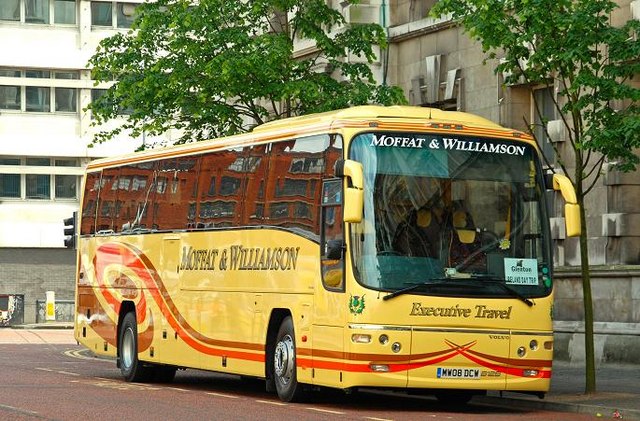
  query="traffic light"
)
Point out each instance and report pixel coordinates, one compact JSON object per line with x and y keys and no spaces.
{"x":70,"y":231}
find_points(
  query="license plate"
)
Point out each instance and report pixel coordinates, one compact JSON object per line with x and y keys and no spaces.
{"x":458,"y":373}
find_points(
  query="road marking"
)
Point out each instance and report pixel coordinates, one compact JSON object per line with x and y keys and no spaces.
{"x":49,"y":370}
{"x":272,"y":402}
{"x":111,"y":384}
{"x":377,"y":419}
{"x":328,"y":411}
{"x":177,"y":388}
{"x":221,"y":395}
{"x":20,"y":411}
{"x":81,"y":354}
{"x":68,"y":373}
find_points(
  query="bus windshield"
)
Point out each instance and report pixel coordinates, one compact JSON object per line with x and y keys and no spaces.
{"x":451,"y":215}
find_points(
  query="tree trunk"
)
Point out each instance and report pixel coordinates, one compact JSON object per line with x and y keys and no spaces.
{"x":590,"y":370}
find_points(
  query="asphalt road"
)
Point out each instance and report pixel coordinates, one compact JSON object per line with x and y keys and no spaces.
{"x":46,"y":376}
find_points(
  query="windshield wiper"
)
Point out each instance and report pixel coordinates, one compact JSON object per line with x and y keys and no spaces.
{"x":512,"y":292}
{"x":508,"y":290}
{"x":413,"y":288}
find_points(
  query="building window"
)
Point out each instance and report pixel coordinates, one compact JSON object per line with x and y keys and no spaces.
{"x":66,"y":100}
{"x":39,"y":11}
{"x":126,"y":12}
{"x":103,"y":13}
{"x":36,"y":11}
{"x":64,"y":12}
{"x":10,"y":10}
{"x":10,"y":98}
{"x":139,"y":183}
{"x":37,"y":184}
{"x":39,"y":98}
{"x":65,"y":185}
{"x":229,"y":186}
{"x":10,"y":183}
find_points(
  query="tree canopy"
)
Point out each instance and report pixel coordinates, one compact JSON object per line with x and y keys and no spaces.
{"x":217,"y":67}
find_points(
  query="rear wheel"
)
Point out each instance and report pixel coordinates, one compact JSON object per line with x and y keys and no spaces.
{"x":284,"y":364}
{"x":132,"y":369}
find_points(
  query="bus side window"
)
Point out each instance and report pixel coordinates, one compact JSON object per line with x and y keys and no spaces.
{"x":107,"y":202}
{"x":90,"y":206}
{"x":134,"y":194}
{"x":173,"y":193}
{"x":333,"y":246}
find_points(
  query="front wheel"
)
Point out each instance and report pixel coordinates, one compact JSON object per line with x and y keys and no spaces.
{"x":131,"y":368}
{"x":284,"y":363}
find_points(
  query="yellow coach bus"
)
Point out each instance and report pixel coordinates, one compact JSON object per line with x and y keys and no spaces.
{"x":390,"y":247}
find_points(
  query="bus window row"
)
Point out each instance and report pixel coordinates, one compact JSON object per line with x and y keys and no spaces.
{"x":275,"y":184}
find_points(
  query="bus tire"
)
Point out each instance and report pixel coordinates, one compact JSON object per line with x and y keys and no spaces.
{"x":284,"y":363}
{"x":132,"y":369}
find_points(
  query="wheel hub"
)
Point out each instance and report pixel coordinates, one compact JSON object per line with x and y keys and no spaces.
{"x":284,"y":359}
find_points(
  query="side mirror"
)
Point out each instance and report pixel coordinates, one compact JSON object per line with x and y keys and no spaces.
{"x":354,"y":193}
{"x":571,"y":207}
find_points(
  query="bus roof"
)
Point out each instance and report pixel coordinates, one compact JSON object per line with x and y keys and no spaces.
{"x":376,"y":112}
{"x":358,"y":117}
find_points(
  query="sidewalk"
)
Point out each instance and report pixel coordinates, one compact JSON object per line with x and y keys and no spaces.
{"x":47,"y":325}
{"x":617,"y":396}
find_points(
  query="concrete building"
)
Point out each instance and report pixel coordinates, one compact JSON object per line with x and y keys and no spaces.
{"x":44,"y":133}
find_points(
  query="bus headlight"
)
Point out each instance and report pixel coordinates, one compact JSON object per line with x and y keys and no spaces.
{"x":380,"y":368}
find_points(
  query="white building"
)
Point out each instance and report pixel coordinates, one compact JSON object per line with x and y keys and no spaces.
{"x":45,"y":135}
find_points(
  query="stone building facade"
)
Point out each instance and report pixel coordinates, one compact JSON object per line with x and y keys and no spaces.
{"x":437,"y":64}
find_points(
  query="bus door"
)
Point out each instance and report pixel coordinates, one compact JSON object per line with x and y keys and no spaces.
{"x":329,"y":311}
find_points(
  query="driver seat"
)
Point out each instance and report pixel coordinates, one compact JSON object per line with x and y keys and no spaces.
{"x":463,"y":226}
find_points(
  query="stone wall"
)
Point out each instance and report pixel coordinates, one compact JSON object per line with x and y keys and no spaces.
{"x":616,"y":311}
{"x":33,"y":272}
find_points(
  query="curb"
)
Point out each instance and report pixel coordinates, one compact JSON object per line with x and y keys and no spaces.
{"x":51,"y":325}
{"x":594,"y":410}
